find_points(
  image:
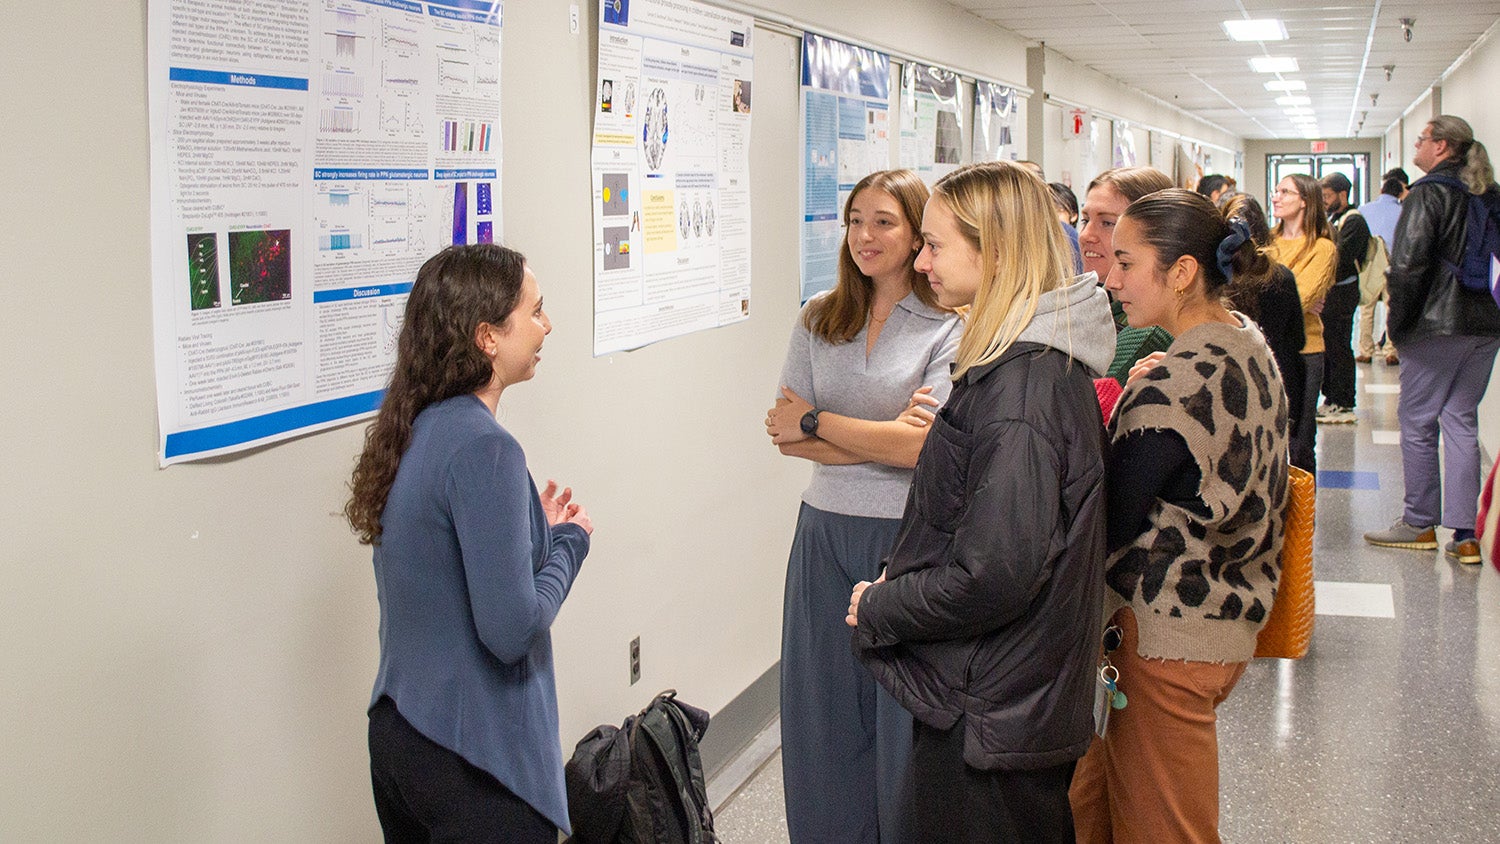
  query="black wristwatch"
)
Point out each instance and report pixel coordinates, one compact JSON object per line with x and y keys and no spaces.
{"x":810,"y":422}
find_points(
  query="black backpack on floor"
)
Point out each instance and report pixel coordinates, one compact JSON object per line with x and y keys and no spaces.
{"x":642,"y":782}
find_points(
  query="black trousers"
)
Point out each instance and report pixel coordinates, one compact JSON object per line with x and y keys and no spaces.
{"x":947,"y":802}
{"x":1304,"y":444}
{"x":426,"y":792}
{"x":1338,"y":350}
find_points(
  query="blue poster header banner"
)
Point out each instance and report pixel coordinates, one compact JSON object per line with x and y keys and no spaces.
{"x":833,"y":65}
{"x":403,"y":5}
{"x":373,"y":174}
{"x":372,"y":291}
{"x":247,"y":80}
{"x":250,"y":430}
{"x":461,"y":15}
{"x":464,"y":174}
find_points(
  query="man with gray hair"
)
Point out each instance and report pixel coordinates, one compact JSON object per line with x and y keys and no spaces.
{"x":1448,"y":336}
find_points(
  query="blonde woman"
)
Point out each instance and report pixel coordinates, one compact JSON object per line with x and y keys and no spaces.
{"x":1303,"y":242}
{"x":857,"y":356}
{"x":985,"y":624}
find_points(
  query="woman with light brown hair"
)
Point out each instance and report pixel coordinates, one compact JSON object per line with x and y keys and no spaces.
{"x":1303,"y":242}
{"x":866,"y":361}
{"x":1107,"y":197}
{"x":985,"y":623}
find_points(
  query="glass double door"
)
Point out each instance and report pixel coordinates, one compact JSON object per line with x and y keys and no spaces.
{"x":1355,"y":166}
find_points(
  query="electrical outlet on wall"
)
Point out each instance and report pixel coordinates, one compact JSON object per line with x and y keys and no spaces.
{"x":635,"y":660}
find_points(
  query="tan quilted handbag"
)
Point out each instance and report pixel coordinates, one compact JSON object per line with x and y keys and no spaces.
{"x":1288,"y":631}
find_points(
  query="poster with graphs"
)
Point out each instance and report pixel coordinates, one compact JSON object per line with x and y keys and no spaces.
{"x":846,"y":136}
{"x":932,"y":123}
{"x":671,"y":171}
{"x":306,"y":157}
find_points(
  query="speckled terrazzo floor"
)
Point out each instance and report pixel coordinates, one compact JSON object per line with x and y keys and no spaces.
{"x":1389,"y":730}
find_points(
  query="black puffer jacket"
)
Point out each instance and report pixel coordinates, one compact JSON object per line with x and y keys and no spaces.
{"x":1426,"y":298}
{"x":993,"y":606}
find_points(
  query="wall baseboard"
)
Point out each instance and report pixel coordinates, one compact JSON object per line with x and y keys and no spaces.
{"x":738,"y":741}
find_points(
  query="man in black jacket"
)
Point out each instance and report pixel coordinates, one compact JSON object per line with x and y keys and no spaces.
{"x":1343,"y":300}
{"x":1448,"y":336}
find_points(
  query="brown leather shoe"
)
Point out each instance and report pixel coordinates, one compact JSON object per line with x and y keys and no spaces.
{"x":1466,"y":552}
{"x":1392,"y":360}
{"x":1361,"y":358}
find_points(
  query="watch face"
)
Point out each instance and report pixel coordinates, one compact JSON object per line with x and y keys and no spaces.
{"x":810,"y":423}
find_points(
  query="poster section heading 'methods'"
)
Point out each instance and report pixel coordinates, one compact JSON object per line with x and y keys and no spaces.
{"x":846,"y":136}
{"x":671,"y":171}
{"x":306,"y":157}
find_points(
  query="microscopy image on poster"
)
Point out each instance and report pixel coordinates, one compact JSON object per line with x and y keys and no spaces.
{"x":1124,"y":145}
{"x":306,"y":158}
{"x":845,"y":136}
{"x":994,"y":122}
{"x":931,"y":123}
{"x":260,"y":266}
{"x":672,"y":145}
{"x":203,"y":270}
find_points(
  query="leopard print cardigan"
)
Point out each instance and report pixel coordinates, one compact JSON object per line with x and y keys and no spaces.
{"x":1201,"y":588}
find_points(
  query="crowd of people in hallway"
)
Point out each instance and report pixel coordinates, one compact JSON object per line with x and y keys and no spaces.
{"x":1045,"y":512}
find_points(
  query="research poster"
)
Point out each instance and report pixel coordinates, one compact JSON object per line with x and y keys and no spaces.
{"x":846,"y":92}
{"x":306,"y":157}
{"x":931,"y":123}
{"x":994,"y":122}
{"x":671,"y":171}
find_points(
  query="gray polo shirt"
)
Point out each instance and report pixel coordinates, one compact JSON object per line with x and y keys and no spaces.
{"x":915,"y":349}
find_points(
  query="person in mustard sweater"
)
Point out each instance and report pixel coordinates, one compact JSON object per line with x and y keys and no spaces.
{"x":1303,"y":243}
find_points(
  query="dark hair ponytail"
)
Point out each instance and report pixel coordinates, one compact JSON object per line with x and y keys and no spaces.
{"x":1178,"y":222}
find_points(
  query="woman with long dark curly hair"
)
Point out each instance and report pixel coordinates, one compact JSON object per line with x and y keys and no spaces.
{"x":471,"y":564}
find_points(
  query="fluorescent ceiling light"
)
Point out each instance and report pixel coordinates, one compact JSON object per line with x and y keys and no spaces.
{"x":1265,"y":29}
{"x":1296,"y":110}
{"x":1293,"y":101}
{"x":1286,"y":85}
{"x":1273,"y":64}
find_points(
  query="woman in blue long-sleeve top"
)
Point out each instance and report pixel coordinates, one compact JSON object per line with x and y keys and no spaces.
{"x":471,"y":565}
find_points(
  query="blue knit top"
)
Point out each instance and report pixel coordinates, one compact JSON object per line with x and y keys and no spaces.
{"x":470,"y":578}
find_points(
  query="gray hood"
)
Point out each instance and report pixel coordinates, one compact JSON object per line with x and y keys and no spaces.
{"x":1076,"y":319}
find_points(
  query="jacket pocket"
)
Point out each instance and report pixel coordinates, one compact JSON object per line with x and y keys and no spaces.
{"x":939,"y":487}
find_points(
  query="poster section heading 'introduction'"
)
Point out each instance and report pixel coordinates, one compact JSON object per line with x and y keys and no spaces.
{"x":994,"y":122}
{"x":846,"y":135}
{"x":671,"y":171}
{"x":306,"y":157}
{"x":932,"y":125}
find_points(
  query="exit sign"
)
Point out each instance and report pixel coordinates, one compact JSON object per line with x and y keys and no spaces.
{"x":1319,"y":146}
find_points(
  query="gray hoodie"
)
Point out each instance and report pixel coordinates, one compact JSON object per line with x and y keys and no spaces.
{"x":1076,"y":320}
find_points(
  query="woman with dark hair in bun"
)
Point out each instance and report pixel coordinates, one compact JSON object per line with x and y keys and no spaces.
{"x":1197,"y":480}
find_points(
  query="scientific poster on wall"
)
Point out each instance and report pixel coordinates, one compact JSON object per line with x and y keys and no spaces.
{"x":931,"y":124}
{"x":1124,"y":145}
{"x":994,"y":122}
{"x":846,"y":92}
{"x":671,"y":171}
{"x":306,"y":157}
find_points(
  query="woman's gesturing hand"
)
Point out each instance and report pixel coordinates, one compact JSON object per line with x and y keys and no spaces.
{"x":560,"y":508}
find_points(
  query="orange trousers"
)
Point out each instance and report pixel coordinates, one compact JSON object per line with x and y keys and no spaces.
{"x":1154,"y":777}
